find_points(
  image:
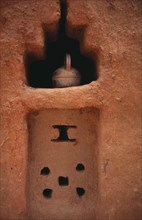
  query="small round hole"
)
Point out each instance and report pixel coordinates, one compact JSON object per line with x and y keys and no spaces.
{"x":80,"y":191}
{"x":80,"y":167}
{"x":45,"y":171}
{"x":47,"y":193}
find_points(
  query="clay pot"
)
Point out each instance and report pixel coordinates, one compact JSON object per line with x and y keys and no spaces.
{"x":66,"y":76}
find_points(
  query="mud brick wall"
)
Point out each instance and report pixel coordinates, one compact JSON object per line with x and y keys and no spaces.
{"x":108,"y":110}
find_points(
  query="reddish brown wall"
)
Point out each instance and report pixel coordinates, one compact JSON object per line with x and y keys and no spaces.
{"x":112,"y":31}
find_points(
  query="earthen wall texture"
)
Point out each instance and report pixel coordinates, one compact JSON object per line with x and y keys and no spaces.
{"x":112,"y":32}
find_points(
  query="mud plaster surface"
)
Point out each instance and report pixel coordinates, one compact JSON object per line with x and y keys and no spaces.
{"x":112,"y":30}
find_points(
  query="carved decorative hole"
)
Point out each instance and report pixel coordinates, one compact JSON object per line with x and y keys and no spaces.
{"x":47,"y":193}
{"x":80,"y":167}
{"x":45,"y":171}
{"x":63,"y":181}
{"x":80,"y":191}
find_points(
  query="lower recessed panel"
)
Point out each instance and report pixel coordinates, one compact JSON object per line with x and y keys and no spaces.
{"x":62,"y":164}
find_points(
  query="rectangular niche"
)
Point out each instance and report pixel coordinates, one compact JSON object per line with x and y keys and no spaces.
{"x":62,"y":164}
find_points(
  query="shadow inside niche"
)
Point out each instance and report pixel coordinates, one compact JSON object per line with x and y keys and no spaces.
{"x":39,"y":72}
